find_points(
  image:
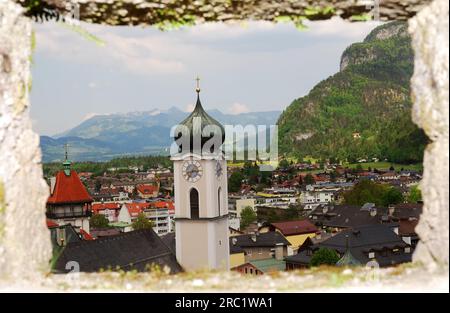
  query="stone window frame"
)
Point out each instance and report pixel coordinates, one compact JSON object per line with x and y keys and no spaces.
{"x":23,"y":192}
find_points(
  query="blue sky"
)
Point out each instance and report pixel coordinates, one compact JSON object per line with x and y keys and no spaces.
{"x":244,"y":67}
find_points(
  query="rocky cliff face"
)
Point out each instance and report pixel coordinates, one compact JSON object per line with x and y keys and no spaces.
{"x":364,"y":111}
{"x":360,"y":53}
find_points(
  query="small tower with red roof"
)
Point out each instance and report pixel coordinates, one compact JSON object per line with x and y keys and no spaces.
{"x":69,"y":201}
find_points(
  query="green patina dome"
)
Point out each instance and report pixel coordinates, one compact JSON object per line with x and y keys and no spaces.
{"x":196,"y":123}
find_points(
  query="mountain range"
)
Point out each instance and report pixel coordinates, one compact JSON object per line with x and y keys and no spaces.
{"x":103,"y":137}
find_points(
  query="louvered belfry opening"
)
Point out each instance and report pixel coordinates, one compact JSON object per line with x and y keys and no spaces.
{"x":194,"y":203}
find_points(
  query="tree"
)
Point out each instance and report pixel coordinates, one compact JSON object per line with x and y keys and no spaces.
{"x":415,"y":195}
{"x":368,"y":191}
{"x":248,"y":216}
{"x":291,"y":213}
{"x":283,"y":164}
{"x":235,"y":181}
{"x":309,"y":179}
{"x":324,"y":256}
{"x":392,"y":196}
{"x":333,"y":176}
{"x":142,"y":222}
{"x":98,"y":221}
{"x":98,"y":185}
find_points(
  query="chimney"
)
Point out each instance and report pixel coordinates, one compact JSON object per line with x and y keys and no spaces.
{"x":279,"y":252}
{"x":391,"y":210}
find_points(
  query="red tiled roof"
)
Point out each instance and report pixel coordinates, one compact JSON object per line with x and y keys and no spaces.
{"x":51,"y":223}
{"x":69,"y":189}
{"x":136,"y":208}
{"x":165,"y":204}
{"x":295,"y":227}
{"x":147,"y":189}
{"x":96,"y":207}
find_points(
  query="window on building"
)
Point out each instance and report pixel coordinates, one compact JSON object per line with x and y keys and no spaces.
{"x":194,"y":203}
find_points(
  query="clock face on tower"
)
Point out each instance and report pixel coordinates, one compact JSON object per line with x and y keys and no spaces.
{"x":219,"y":169}
{"x":192,"y":171}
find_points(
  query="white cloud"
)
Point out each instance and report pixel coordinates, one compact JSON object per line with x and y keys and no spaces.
{"x":238,"y":108}
{"x":337,"y":27}
{"x":140,"y":55}
{"x":222,"y":30}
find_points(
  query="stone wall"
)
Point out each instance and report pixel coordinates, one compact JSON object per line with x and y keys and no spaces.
{"x":152,"y":12}
{"x":25,"y":248}
{"x":430,"y":93}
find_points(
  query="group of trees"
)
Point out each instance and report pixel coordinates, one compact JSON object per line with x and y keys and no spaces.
{"x":368,"y":191}
{"x":122,"y":164}
{"x":250,"y":174}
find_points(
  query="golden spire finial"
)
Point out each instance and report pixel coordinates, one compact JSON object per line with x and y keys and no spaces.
{"x":198,"y":85}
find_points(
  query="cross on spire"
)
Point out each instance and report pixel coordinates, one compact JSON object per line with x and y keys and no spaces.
{"x":198,"y":84}
{"x":66,"y":151}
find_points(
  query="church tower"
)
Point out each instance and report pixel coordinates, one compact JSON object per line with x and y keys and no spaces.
{"x":201,"y":195}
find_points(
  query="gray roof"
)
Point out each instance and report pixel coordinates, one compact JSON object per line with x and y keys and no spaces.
{"x":135,"y":250}
{"x":269,"y":239}
{"x":169,"y":241}
{"x":361,"y":241}
{"x":345,"y":216}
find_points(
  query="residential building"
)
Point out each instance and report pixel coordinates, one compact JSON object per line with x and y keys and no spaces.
{"x":147,"y":191}
{"x":138,"y":250}
{"x":130,"y":211}
{"x":237,"y":255}
{"x":371,"y":243}
{"x":160,"y":219}
{"x":296,"y":232}
{"x":110,"y":210}
{"x":260,"y":267}
{"x":335,"y":218}
{"x":315,"y":195}
{"x":260,"y":246}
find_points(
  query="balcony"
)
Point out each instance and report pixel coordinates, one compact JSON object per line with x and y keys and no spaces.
{"x":68,"y":214}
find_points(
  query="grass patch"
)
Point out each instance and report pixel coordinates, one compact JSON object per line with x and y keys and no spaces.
{"x":385,"y":166}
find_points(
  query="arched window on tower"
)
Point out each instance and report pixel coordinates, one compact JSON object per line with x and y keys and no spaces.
{"x":194,"y":203}
{"x":219,"y":200}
